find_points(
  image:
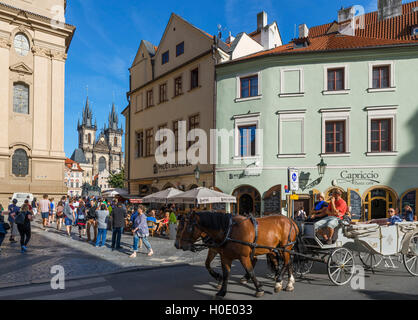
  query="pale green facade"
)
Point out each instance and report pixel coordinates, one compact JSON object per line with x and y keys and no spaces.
{"x":292,"y":109}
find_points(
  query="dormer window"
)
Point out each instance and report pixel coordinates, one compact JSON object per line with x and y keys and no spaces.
{"x":180,"y":49}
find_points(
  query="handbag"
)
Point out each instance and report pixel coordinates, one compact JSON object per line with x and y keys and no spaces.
{"x":6,"y":226}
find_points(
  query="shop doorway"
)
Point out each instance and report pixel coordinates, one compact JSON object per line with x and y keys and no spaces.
{"x":248,"y":201}
{"x":377,"y":202}
{"x":301,"y":204}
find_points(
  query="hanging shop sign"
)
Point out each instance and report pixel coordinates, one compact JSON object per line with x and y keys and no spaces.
{"x":169,"y":167}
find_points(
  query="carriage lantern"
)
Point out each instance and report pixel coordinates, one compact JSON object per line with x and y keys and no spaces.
{"x":321,"y":167}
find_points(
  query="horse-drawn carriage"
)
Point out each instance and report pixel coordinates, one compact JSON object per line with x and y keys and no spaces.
{"x":294,"y":248}
{"x":371,"y":242}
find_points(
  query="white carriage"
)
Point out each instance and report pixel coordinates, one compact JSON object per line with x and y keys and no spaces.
{"x":371,"y":241}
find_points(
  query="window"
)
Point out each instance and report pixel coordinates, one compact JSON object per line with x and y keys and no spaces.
{"x":381,"y":135}
{"x":247,"y":141}
{"x":178,"y":86}
{"x":194,"y":122}
{"x":179,"y":49}
{"x":194,"y":79}
{"x":291,"y":133}
{"x":21,"y":44}
{"x":102,"y":164}
{"x":20,"y":163}
{"x":150,"y":98}
{"x":335,"y":136}
{"x":115,"y":141}
{"x":21,"y":98}
{"x":247,"y":137}
{"x":89,"y":138}
{"x":149,"y":139}
{"x":336,"y":79}
{"x":161,"y":127}
{"x":381,"y":77}
{"x":249,"y":87}
{"x":176,"y":134}
{"x":165,"y":57}
{"x":163,"y":93}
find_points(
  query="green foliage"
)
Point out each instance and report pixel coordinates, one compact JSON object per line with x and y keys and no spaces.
{"x":117,"y":180}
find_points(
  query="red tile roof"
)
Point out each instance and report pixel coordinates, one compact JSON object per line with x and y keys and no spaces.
{"x":394,"y":28}
{"x":69,"y":164}
{"x":330,"y":42}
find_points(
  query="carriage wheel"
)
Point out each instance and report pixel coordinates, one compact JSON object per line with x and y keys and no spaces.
{"x":410,"y":260}
{"x":341,"y":266}
{"x":370,"y":260}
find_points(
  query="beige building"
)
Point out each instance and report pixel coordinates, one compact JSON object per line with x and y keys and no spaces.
{"x":173,"y":83}
{"x":34,"y":41}
{"x":73,"y":178}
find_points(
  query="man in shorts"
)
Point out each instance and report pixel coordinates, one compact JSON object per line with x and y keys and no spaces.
{"x":336,"y":210}
{"x":45,"y":207}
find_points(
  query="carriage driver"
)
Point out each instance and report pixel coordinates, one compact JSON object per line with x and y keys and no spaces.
{"x":335,"y":212}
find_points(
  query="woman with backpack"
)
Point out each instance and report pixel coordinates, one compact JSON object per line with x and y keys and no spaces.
{"x":69,"y":216}
{"x":60,"y":215}
{"x":81,"y":219}
{"x":23,"y":220}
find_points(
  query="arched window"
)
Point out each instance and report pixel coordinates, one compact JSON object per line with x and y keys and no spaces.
{"x":115,"y":141}
{"x":21,"y":98}
{"x":102,"y":164}
{"x":21,"y":44}
{"x":20,"y":163}
{"x":89,"y":138}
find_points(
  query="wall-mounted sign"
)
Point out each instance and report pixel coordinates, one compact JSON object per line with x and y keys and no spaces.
{"x":293,"y":179}
{"x":359,"y":178}
{"x":169,"y":167}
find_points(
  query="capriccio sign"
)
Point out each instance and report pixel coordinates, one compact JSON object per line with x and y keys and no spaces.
{"x":359,"y":178}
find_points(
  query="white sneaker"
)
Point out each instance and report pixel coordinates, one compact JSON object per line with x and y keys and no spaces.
{"x":133,"y":255}
{"x":150,"y":253}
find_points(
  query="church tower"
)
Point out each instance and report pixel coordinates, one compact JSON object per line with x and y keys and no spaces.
{"x":87,"y":132}
{"x":114,"y":140}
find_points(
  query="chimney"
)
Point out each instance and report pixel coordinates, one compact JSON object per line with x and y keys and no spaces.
{"x":389,"y":9}
{"x":346,"y":14}
{"x":346,"y":21}
{"x":261,"y":20}
{"x":230,"y":39}
{"x":303,"y":31}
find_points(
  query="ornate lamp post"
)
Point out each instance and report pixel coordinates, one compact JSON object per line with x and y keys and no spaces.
{"x":322,"y":166}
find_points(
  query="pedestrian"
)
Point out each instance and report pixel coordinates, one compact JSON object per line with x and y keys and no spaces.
{"x":92,"y":221}
{"x":3,"y":228}
{"x":60,"y":215}
{"x":81,"y":219}
{"x":408,"y":214}
{"x":141,"y":232}
{"x":69,"y":216}
{"x":102,"y":220}
{"x":13,"y":211}
{"x":23,"y":221}
{"x":34,"y":207}
{"x":118,"y":224}
{"x":52,"y":212}
{"x":132,"y":222}
{"x":45,"y":207}
{"x":301,"y":215}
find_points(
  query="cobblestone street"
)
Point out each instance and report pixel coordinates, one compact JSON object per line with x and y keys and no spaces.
{"x":80,"y":258}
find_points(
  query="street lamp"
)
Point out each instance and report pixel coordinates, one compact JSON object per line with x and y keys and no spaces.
{"x":322,"y":166}
{"x":197,"y":174}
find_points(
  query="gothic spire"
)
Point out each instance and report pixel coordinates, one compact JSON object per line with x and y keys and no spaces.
{"x":113,"y":119}
{"x":87,"y":114}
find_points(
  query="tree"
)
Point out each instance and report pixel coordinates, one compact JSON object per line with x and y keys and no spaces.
{"x":116,"y":180}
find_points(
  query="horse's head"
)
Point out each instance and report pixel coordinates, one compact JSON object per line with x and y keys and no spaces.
{"x":188,"y":232}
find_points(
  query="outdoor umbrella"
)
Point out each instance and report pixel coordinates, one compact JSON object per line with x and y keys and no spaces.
{"x":162,"y":196}
{"x":202,"y":196}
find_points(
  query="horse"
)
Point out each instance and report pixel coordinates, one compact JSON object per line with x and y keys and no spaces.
{"x":240,"y":238}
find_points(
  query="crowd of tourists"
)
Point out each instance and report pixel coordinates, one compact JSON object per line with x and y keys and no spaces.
{"x":90,"y":214}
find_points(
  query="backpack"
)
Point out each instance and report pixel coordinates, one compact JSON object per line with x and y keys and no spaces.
{"x":20,"y":218}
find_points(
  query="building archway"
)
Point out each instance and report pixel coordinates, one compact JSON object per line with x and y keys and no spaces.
{"x":168,"y":186}
{"x":102,"y":164}
{"x":248,"y":201}
{"x":377,"y":200}
{"x":328,"y":193}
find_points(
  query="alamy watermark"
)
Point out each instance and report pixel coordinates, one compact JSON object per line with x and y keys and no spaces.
{"x":58,"y":278}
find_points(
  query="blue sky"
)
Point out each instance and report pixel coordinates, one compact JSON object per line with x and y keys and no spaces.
{"x":109,"y":33}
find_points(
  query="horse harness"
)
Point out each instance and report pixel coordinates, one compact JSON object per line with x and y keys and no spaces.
{"x":210,"y":243}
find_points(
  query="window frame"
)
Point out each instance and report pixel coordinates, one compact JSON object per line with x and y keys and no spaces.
{"x":177,"y":49}
{"x":178,"y":91}
{"x":163,"y":98}
{"x":166,"y":55}
{"x":380,"y":140}
{"x":336,"y":114}
{"x":291,"y":116}
{"x":392,"y":83}
{"x":238,"y":86}
{"x":149,"y":143}
{"x":27,"y":86}
{"x":249,"y":86}
{"x":301,"y":92}
{"x":335,"y":122}
{"x":150,"y":94}
{"x":377,"y":113}
{"x":191,"y":79}
{"x":196,"y":125}
{"x":346,"y":89}
{"x":252,"y":119}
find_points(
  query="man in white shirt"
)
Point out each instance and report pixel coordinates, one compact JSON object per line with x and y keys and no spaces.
{"x":45,"y":207}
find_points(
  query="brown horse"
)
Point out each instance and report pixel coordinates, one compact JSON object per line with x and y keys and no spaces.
{"x":225,"y":231}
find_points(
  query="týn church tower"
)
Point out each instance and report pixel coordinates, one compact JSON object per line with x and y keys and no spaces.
{"x":98,"y":154}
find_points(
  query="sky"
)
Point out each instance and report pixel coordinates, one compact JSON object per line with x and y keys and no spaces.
{"x":109,"y":33}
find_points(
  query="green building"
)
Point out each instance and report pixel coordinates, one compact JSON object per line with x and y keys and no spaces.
{"x":348,"y":99}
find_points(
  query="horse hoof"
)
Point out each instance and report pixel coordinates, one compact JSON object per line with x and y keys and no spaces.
{"x":259,"y":294}
{"x":219,"y":286}
{"x":290,"y":289}
{"x":277,"y":290}
{"x":243,"y":280}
